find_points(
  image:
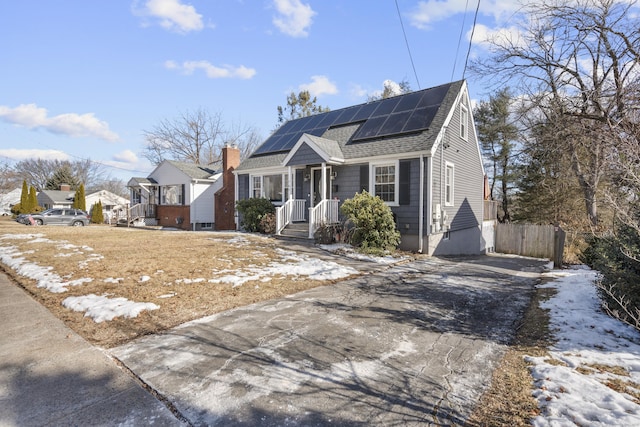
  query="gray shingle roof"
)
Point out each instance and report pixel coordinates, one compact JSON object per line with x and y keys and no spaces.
{"x":389,"y":144}
{"x":195,"y":171}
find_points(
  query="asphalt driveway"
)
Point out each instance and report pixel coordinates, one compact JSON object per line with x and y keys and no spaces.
{"x":413,"y":345}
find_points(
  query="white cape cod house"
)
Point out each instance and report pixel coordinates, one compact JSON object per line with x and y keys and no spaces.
{"x":184,"y":195}
{"x":417,"y":151}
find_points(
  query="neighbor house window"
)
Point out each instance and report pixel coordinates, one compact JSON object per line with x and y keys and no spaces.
{"x":172,"y":195}
{"x":464,"y":121}
{"x":448,"y":184}
{"x":385,"y":179}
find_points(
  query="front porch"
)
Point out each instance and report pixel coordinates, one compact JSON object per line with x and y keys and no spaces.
{"x":293,"y":215}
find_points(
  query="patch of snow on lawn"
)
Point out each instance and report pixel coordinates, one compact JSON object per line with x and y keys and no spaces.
{"x":586,"y":337}
{"x":102,"y":308}
{"x":297,"y":265}
{"x":44,"y":276}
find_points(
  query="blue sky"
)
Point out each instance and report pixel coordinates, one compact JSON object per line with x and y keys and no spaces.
{"x":83,"y":79}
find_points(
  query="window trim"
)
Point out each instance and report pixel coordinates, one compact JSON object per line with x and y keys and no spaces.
{"x":179,"y":194}
{"x":396,"y":180}
{"x":450,"y":200}
{"x":259,"y":178}
{"x":464,"y":122}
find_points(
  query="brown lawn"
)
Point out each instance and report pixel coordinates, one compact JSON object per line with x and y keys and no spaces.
{"x":172,"y":269}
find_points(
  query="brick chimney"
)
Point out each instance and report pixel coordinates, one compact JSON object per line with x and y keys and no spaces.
{"x":230,"y":161}
{"x":225,"y":197}
{"x":65,"y":187}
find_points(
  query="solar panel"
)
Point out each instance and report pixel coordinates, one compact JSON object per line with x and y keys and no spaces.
{"x":370,"y":128}
{"x":394,"y":124}
{"x":410,"y":112}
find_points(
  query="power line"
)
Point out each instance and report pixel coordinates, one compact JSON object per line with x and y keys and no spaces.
{"x":473,"y":29}
{"x":464,"y":20}
{"x":406,"y":41}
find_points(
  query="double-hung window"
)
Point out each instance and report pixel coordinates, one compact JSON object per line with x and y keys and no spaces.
{"x":172,"y":195}
{"x":448,"y":184}
{"x":385,"y":182}
{"x":257,"y":186}
{"x":464,"y":122}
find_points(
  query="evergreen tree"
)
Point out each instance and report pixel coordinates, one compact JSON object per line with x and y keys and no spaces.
{"x":79,"y":201}
{"x":24,"y":198}
{"x":33,"y":200}
{"x":96,"y":213}
{"x":62,"y":175}
{"x":498,"y":135}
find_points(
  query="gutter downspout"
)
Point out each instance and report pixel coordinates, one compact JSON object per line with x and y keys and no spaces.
{"x":235,"y":199}
{"x":421,"y":204}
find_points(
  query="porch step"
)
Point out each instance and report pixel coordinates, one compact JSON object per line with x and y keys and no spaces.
{"x":298,"y":230}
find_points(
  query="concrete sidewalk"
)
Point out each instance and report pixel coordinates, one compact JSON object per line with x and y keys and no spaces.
{"x":51,"y":376}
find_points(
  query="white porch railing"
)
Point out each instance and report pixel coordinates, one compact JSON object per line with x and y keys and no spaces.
{"x":292,"y":210}
{"x":325,"y":212}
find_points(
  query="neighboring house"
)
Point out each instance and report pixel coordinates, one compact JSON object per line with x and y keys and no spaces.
{"x":182,"y":195}
{"x":418,"y":152}
{"x":7,"y":200}
{"x":111,"y":203}
{"x":62,"y":198}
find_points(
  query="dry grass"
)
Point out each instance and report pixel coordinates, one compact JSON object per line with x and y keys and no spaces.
{"x":176,"y":263}
{"x":509,"y":401}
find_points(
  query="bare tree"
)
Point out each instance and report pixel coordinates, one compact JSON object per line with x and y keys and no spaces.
{"x":576,"y":59}
{"x":196,"y":137}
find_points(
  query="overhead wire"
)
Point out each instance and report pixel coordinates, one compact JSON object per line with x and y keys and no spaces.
{"x":473,"y":29}
{"x":406,"y":41}
{"x":455,"y":59}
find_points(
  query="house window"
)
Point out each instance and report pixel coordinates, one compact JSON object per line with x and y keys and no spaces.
{"x":257,"y":186}
{"x":464,"y":121}
{"x":172,"y":195}
{"x":273,"y":187}
{"x":384,"y":182}
{"x":448,"y":184}
{"x":206,"y":226}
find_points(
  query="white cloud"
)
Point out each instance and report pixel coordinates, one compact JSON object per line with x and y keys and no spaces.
{"x":319,"y":86}
{"x":357,"y":91}
{"x":430,"y":11}
{"x":294,"y":17}
{"x":212,"y":71}
{"x":482,"y":36}
{"x":71,"y":124}
{"x":173,"y":15}
{"x":126,"y":156}
{"x":23,"y":154}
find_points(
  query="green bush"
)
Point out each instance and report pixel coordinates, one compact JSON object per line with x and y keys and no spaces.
{"x":373,"y":229}
{"x":252,"y":211}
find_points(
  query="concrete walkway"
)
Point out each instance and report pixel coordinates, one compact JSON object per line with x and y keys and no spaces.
{"x":51,"y":376}
{"x":415,"y":344}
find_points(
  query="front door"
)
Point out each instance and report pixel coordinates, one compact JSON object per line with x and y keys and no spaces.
{"x":316,"y":185}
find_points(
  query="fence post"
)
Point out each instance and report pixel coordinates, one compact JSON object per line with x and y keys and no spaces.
{"x":558,"y":246}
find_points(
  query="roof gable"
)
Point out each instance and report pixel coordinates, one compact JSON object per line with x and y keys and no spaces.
{"x":326,"y":149}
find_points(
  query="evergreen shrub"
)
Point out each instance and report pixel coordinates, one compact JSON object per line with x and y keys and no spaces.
{"x":372,"y":228}
{"x":253,"y":210}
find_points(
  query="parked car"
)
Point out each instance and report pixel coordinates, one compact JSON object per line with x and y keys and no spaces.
{"x":60,"y":216}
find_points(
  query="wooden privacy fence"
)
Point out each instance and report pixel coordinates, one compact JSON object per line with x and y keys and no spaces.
{"x":539,"y":241}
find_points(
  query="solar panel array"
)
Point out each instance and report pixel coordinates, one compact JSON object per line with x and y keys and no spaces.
{"x":407,"y":113}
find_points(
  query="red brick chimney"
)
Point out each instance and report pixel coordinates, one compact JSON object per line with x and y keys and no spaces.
{"x":65,"y":187}
{"x":225,"y":197}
